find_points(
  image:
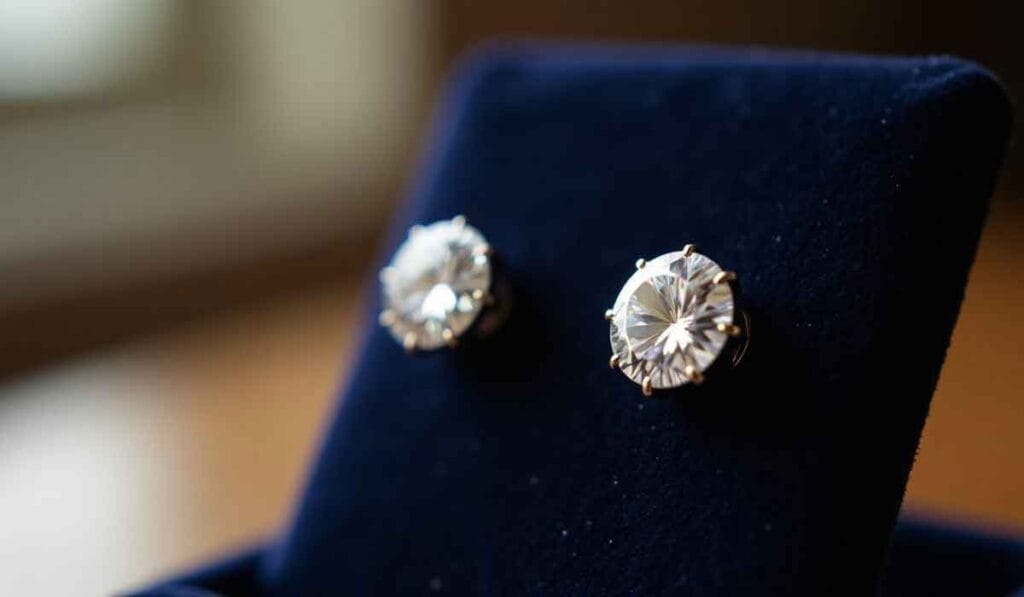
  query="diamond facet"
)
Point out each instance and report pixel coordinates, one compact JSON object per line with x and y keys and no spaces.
{"x":436,"y":284}
{"x":670,"y":320}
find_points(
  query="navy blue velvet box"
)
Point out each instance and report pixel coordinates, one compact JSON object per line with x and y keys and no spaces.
{"x":848,"y":192}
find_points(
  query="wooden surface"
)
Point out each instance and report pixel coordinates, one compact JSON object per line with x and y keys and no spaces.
{"x":127,"y":464}
{"x":970,"y":462}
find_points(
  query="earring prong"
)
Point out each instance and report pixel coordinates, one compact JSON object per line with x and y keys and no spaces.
{"x":614,"y":361}
{"x":608,"y":314}
{"x":387,"y":317}
{"x":693,"y":374}
{"x":640,"y":263}
{"x":449,"y":337}
{"x":409,"y":342}
{"x":724,"y":276}
{"x":730,"y":329}
{"x":459,"y":221}
{"x":484,"y":297}
{"x":646,"y":386}
{"x":688,"y":250}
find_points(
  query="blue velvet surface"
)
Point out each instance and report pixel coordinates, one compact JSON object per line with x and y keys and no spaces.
{"x":238,"y":574}
{"x":937,"y":560}
{"x":848,"y":193}
{"x":925,"y":559}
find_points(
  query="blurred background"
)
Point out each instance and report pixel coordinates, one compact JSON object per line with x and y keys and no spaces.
{"x":191,"y":193}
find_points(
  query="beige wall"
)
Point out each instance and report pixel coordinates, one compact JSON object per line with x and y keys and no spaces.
{"x":239,"y":128}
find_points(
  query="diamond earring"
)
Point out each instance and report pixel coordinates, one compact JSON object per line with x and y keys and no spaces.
{"x":673,"y":318}
{"x":436,"y":285}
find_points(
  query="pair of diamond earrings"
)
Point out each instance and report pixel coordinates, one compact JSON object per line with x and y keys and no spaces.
{"x":669,"y":324}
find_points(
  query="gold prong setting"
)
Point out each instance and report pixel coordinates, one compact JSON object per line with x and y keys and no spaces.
{"x":729,"y":329}
{"x":409,"y":342}
{"x":453,"y":262}
{"x":672,"y":320}
{"x":723,"y":277}
{"x":693,"y":374}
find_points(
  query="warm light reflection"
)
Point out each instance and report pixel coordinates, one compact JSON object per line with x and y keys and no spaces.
{"x":79,"y":478}
{"x":137,"y":462}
